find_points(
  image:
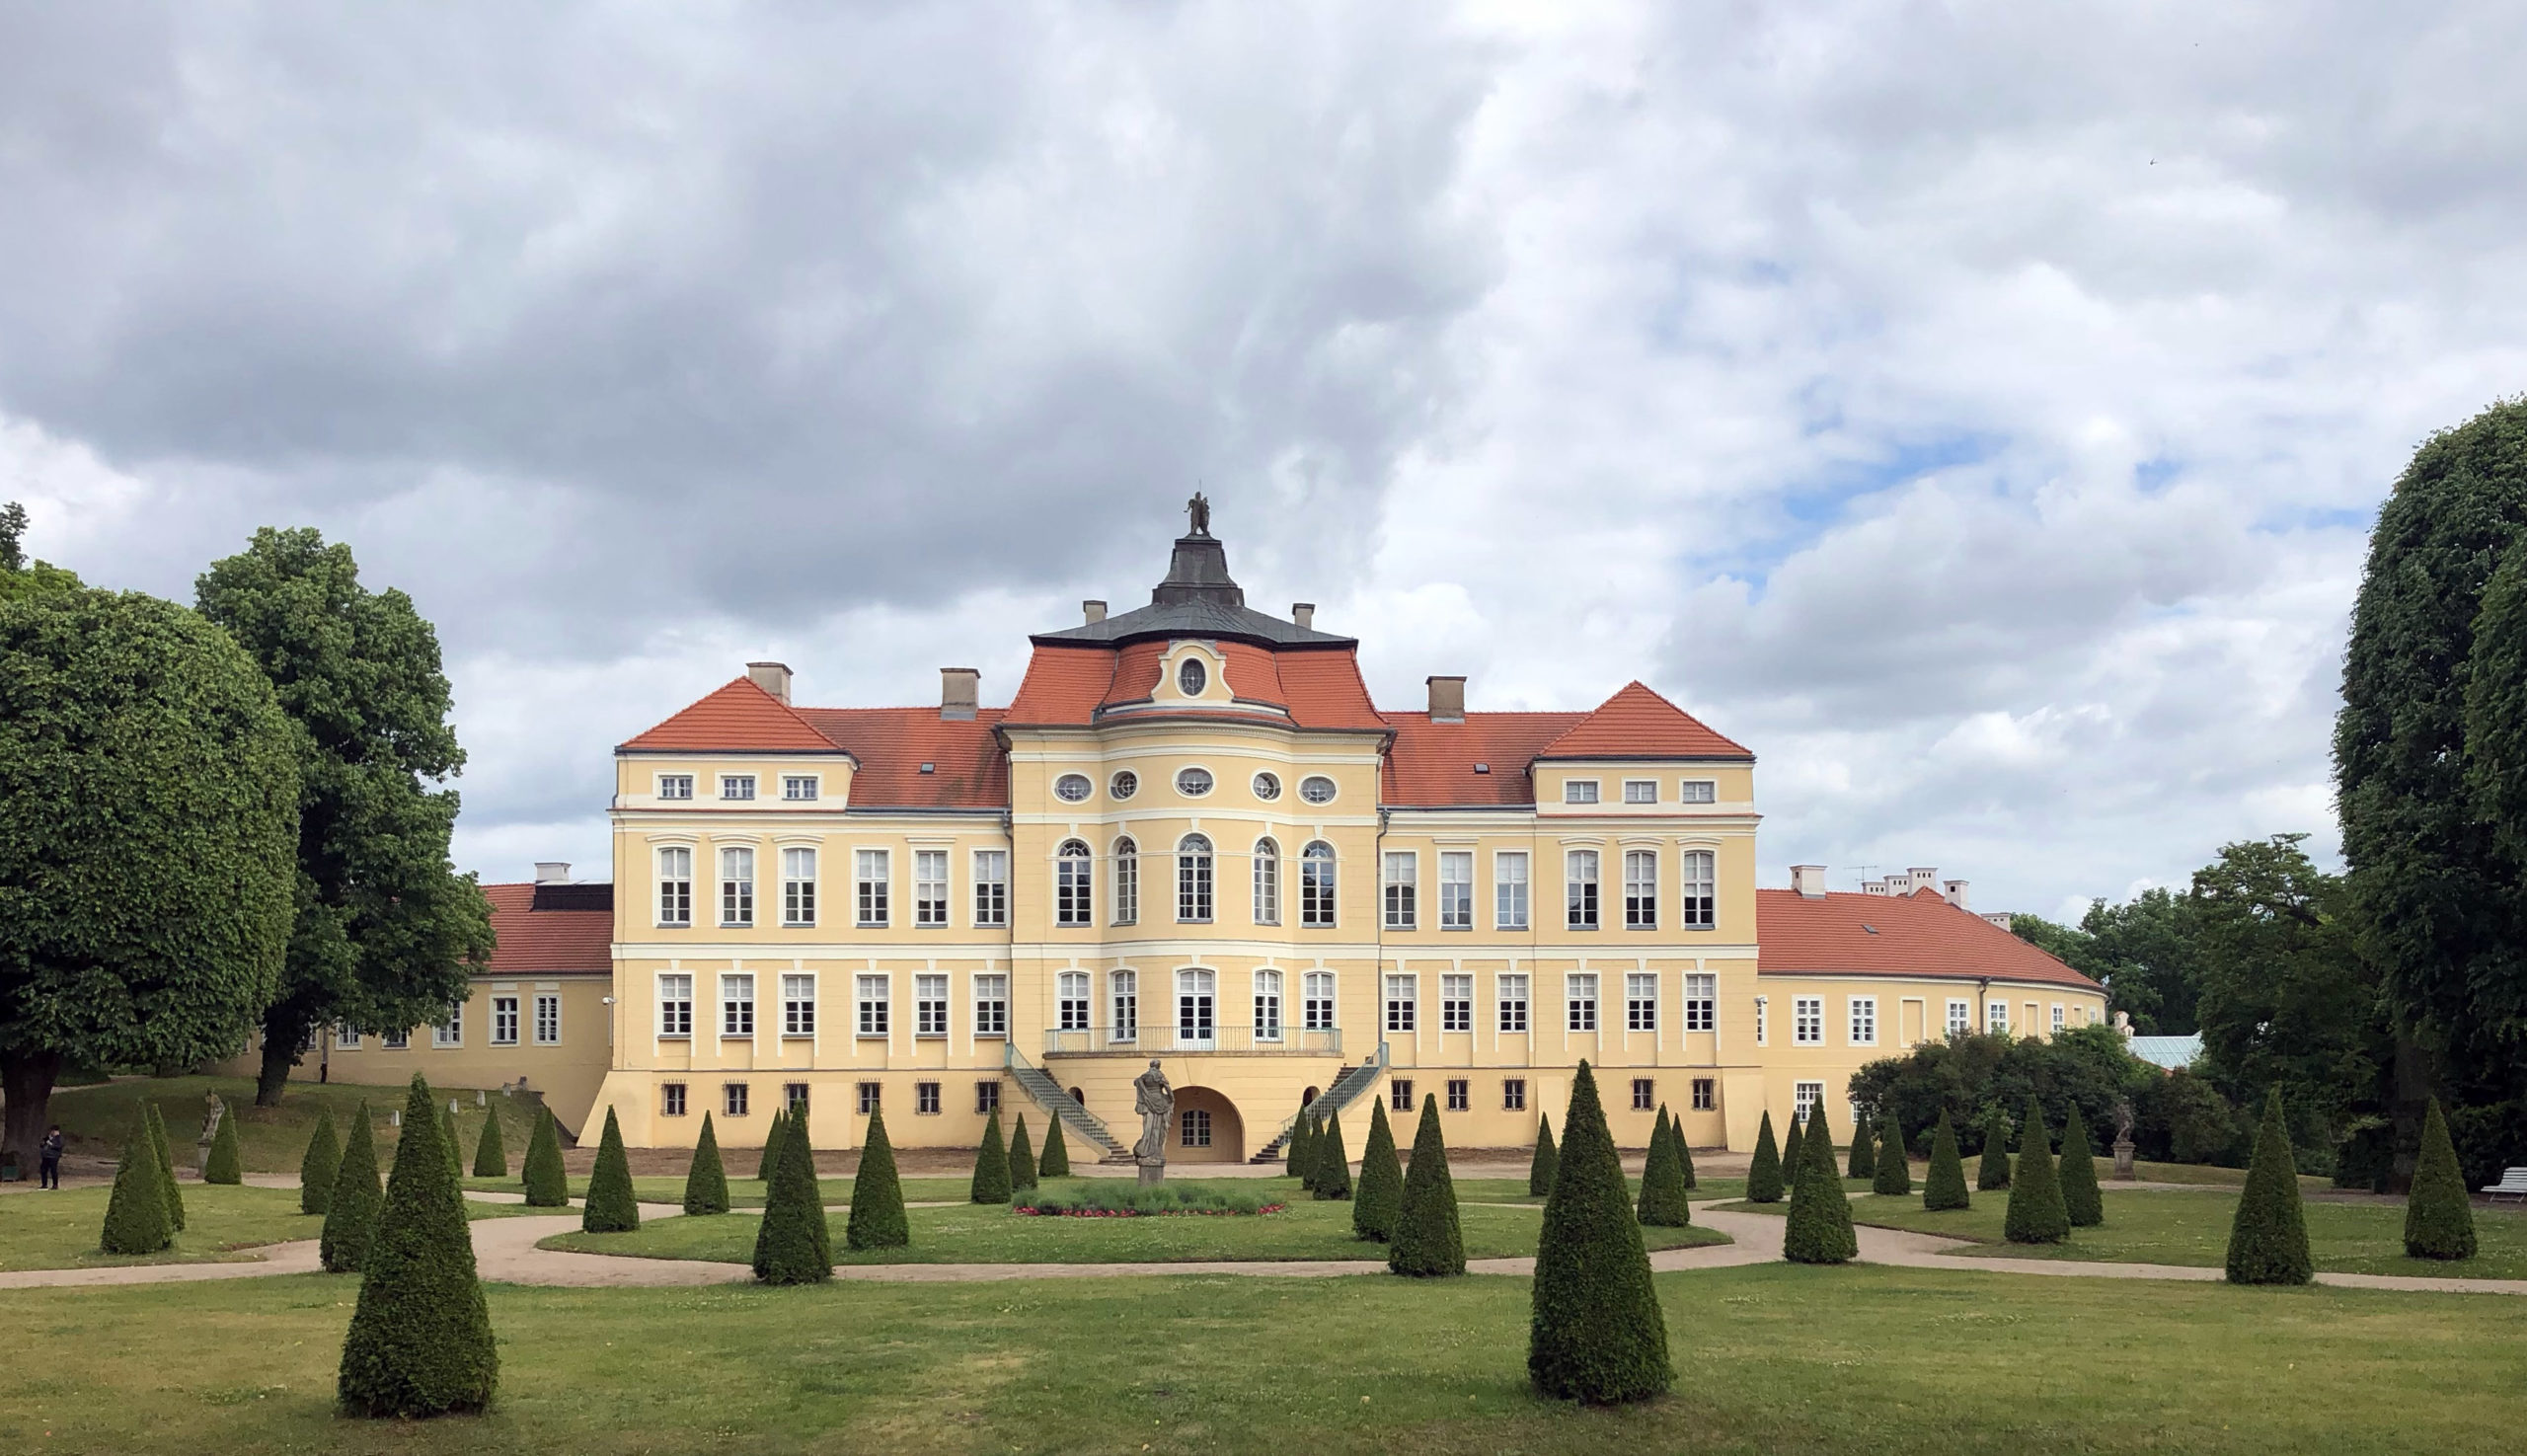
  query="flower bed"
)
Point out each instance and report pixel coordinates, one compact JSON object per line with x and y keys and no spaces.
{"x":1138,"y":1202}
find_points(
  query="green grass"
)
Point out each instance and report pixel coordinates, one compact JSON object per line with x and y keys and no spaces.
{"x":58,"y":1231}
{"x":978,"y":1235}
{"x":747,"y":1193}
{"x":270,"y":1139}
{"x":1770,"y":1358}
{"x":2193,"y":1228}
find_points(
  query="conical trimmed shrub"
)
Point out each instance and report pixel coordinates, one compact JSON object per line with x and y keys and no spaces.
{"x":166,"y":1166}
{"x":1294,"y":1153}
{"x":1547,"y":1160}
{"x":223,"y":1165}
{"x":1021,"y":1160}
{"x":1684,"y":1151}
{"x":2035,"y":1212}
{"x":1594,"y":1331}
{"x":351,"y":1214}
{"x":420,"y":1340}
{"x":2269,"y":1239}
{"x":318,"y":1165}
{"x":1314,"y":1164}
{"x":1945,"y":1185}
{"x":771,"y":1139}
{"x":547,"y":1184}
{"x":878,"y":1195}
{"x":794,"y":1246}
{"x":1894,"y":1171}
{"x":490,"y":1153}
{"x":1332,"y":1161}
{"x":1763,"y":1170}
{"x":1993,"y":1172}
{"x":1379,"y":1200}
{"x":1055,"y":1159}
{"x":136,"y":1221}
{"x":2439,"y":1218}
{"x":1428,"y":1242}
{"x":448,"y":1143}
{"x":1819,"y":1230}
{"x":706,"y":1182}
{"x":1790,"y":1164}
{"x":991,"y":1165}
{"x":611,"y":1207}
{"x":1864,"y":1159}
{"x":1663,"y":1182}
{"x":2082,"y":1203}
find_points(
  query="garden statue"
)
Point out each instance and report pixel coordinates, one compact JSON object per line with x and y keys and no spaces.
{"x":2123,"y":1168}
{"x":212,"y":1110}
{"x":1155,"y":1100}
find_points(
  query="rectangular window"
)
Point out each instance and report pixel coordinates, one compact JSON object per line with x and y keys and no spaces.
{"x":1317,"y":1004}
{"x":1705,"y":1095}
{"x":1456,"y":1003}
{"x":1640,"y":890}
{"x":1460,"y":1094}
{"x":548,"y":1019}
{"x":1513,"y":1003}
{"x":1193,"y":881}
{"x":797,"y":1006}
{"x":737,"y":887}
{"x":1580,"y":993}
{"x":1996,"y":1016}
{"x":1808,"y":1097}
{"x":1696,"y":790}
{"x":1641,"y":791}
{"x":1399,"y":1003}
{"x":1641,"y":1001}
{"x":870,"y":886}
{"x":871,"y":1096}
{"x":1702,"y":1002}
{"x":1864,"y":1021}
{"x":924,"y":1099}
{"x":1317,"y":885}
{"x":793,"y":1097}
{"x":1267,"y":1006}
{"x":1645,"y":1093}
{"x":737,"y":1006}
{"x":1579,"y":877}
{"x":1195,"y":1124}
{"x":1400,"y":1095}
{"x":799,"y":886}
{"x":986,"y":1099}
{"x":1513,"y":1094}
{"x":991,"y":887}
{"x":1456,"y":889}
{"x":2057,"y":1018}
{"x":1807,"y":1021}
{"x":450,"y":1033}
{"x":1402,"y":872}
{"x":672,"y":1099}
{"x":1961,"y":1017}
{"x":991,"y":1006}
{"x":1763,"y":1021}
{"x":797,"y":788}
{"x":1124,"y":988}
{"x":675,"y":785}
{"x":930,"y":888}
{"x":676,"y":886}
{"x":345,"y":1039}
{"x":1509,"y":892}
{"x":870,"y":996}
{"x":1579,"y":790}
{"x":1127,"y":886}
{"x":930,"y":1005}
{"x":1268,"y":882}
{"x":732,"y":1098}
{"x":395,"y":1041}
{"x":736,"y":786}
{"x":1071,"y":1000}
{"x":1700,"y":907}
{"x":504,"y":1021}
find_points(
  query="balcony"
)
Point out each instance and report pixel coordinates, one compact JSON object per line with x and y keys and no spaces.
{"x":1182,"y":1041}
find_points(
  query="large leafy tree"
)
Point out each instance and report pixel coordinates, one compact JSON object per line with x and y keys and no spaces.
{"x":2142,"y":951}
{"x":148,"y":810}
{"x":387,"y":931}
{"x":20,"y":578}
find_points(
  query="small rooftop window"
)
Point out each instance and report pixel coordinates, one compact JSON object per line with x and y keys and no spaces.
{"x":1483,"y":768}
{"x":930,"y":768}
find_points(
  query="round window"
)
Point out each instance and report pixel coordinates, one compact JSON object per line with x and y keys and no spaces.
{"x":1126,"y":785}
{"x":1192,"y":677}
{"x":1317,"y":788}
{"x":1267,"y":787}
{"x":1071,"y":788}
{"x":1194,"y":783}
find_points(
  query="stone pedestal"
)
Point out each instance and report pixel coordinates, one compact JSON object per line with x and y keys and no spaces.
{"x":2123,"y":1169}
{"x":1153,"y":1173}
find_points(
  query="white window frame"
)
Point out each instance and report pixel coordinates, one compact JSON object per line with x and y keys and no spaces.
{"x":450,"y":1033}
{"x":736,"y":1005}
{"x":548,"y":1017}
{"x":797,"y":886}
{"x":991,"y":1005}
{"x":872,"y":1006}
{"x":931,"y":890}
{"x":736,"y":1100}
{"x":1862,"y":1021}
{"x":1579,"y":790}
{"x":1583,"y":889}
{"x":1268,"y":1004}
{"x":1123,"y":999}
{"x":991,"y":889}
{"x":671,"y":1099}
{"x":1510,"y":883}
{"x":1807,"y":1020}
{"x":1698,"y":791}
{"x":676,"y":1004}
{"x":1641,"y":890}
{"x":1961,"y":1017}
{"x":1074,"y":884}
{"x":1515,"y":990}
{"x":736,"y":886}
{"x":1641,"y":791}
{"x":1318,"y":1000}
{"x":675,"y":885}
{"x":1996,"y":1016}
{"x":345,"y":1039}
{"x":1268,"y":881}
{"x":1581,"y":1005}
{"x":1399,"y":889}
{"x":504,"y":1021}
{"x":1074,"y":1005}
{"x":1806,"y":1098}
{"x":873,"y":888}
{"x":1456,"y":889}
{"x":1403,"y":1002}
{"x":797,"y":1003}
{"x":737,"y":788}
{"x":930,"y":1021}
{"x":2058,"y":1014}
{"x":1698,"y":908}
{"x":1319,"y":886}
{"x":1127,"y":881}
{"x":1702,"y":1001}
{"x":1702,"y":1094}
{"x":1197,"y":885}
{"x":1456,"y":1001}
{"x":1641,"y":1001}
{"x":395,"y":1041}
{"x":800,"y":788}
{"x":674,"y":788}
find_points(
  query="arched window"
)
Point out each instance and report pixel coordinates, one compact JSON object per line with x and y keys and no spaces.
{"x":1194,"y":878}
{"x":1127,"y":882}
{"x":1267,"y":1006}
{"x":1073,"y":873}
{"x":1316,"y":884}
{"x":1268,"y":882}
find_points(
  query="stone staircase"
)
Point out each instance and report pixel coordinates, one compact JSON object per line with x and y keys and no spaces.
{"x":1049,"y":1095}
{"x":1347,"y":1089}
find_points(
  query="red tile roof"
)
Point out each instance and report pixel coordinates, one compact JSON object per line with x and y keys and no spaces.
{"x":1432,"y":764}
{"x":968,"y":770}
{"x":738,"y":717}
{"x":1063,"y":684}
{"x":1637,"y":723}
{"x":1319,"y":687}
{"x":533,"y":942}
{"x":1916,"y":934}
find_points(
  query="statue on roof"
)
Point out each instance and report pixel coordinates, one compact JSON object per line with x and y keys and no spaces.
{"x":1200,"y":508}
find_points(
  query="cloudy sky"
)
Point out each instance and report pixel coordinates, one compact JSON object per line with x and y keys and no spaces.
{"x":1978,"y":409}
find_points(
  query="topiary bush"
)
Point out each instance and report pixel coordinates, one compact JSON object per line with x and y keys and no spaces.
{"x":547,"y":1184}
{"x":2439,"y":1217}
{"x":611,"y":1207}
{"x":794,"y":1246}
{"x":491,"y":1154}
{"x":1684,"y":1151}
{"x":222,"y":1166}
{"x":351,"y":1214}
{"x":166,"y":1166}
{"x":1864,"y":1159}
{"x":1893,"y":1170}
{"x":420,"y":1340}
{"x":448,"y":1143}
{"x":1820,"y":1229}
{"x":991,"y":1165}
{"x":2035,"y":1212}
{"x":2269,"y":1238}
{"x":1021,"y":1159}
{"x":1993,"y":1172}
{"x":878,"y":1195}
{"x":136,"y":1221}
{"x":318,"y":1165}
{"x":1790,"y":1164}
{"x":771,"y":1139}
{"x":1428,"y":1242}
{"x":1547,"y":1159}
{"x":1945,"y":1185}
{"x":2081,"y":1202}
{"x":1379,"y":1201}
{"x":1054,"y":1162}
{"x":706,"y":1182}
{"x":1314,"y":1164}
{"x":1594,"y":1331}
{"x":1294,"y":1153}
{"x":1332,"y":1161}
{"x":1662,"y":1181}
{"x":1763,"y":1170}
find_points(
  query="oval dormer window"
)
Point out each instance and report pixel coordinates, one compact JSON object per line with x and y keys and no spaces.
{"x":1192,"y":677}
{"x":1071,"y":788}
{"x":1194,"y":783}
{"x":1126,"y":785}
{"x":1267,"y":787}
{"x":1317,"y":788}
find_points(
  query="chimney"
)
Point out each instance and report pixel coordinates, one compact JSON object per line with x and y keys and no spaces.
{"x":957,"y":694}
{"x":1999,"y":918}
{"x":551,"y":871}
{"x":1921,"y":878}
{"x":1808,"y":880}
{"x":1094,"y":610}
{"x":1447,"y":699}
{"x":1304,"y":614}
{"x":1955,"y":890}
{"x":1872,"y":887}
{"x":773,"y":678}
{"x":1898,"y":884}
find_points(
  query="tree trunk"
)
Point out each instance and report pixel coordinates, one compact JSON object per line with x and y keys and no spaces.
{"x":25,"y":1080}
{"x":280,"y":1053}
{"x":2406,"y":1109}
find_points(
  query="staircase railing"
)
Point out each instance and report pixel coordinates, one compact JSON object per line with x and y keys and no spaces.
{"x":1345,"y":1091}
{"x":1049,"y":1095}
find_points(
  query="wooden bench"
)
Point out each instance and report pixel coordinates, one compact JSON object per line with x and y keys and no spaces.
{"x":2512,"y":1185}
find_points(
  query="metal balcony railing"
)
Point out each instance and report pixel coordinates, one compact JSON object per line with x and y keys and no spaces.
{"x":1179,"y":1041}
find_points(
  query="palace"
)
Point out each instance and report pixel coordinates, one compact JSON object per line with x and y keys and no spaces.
{"x":1192,"y":837}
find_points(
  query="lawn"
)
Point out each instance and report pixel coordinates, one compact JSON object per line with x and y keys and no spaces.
{"x":1770,"y":1358}
{"x":270,"y":1139}
{"x":58,"y":1231}
{"x":2193,"y":1228}
{"x":968,"y":1234}
{"x":747,"y":1193}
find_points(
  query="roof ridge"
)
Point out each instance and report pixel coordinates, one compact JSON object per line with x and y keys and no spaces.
{"x":720,"y":693}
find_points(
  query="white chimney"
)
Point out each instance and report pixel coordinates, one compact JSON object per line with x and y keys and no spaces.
{"x":551,"y":871}
{"x":1955,"y":890}
{"x":1808,"y":880}
{"x":1924,"y":877}
{"x":1304,"y":614}
{"x":1898,"y":884}
{"x":1094,"y":611}
{"x":1999,"y":918}
{"x":1447,"y":699}
{"x":958,"y":693}
{"x":772,"y":677}
{"x":1872,"y":887}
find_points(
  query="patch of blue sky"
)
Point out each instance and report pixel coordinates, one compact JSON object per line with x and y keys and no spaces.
{"x":1803,"y":510}
{"x":2290,"y":520}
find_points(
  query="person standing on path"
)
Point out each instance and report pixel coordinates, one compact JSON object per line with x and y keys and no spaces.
{"x":48,"y":1159}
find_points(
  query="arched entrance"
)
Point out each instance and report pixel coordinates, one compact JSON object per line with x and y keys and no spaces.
{"x":1207,"y":1129}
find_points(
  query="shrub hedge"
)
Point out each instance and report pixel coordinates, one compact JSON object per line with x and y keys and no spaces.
{"x":772,"y":1141}
{"x":1684,"y":1151}
{"x":1864,"y":1157}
